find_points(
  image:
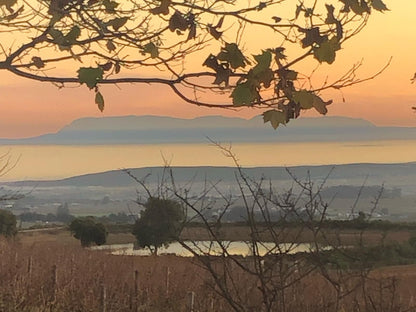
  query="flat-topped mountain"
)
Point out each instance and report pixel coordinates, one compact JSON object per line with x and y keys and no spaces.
{"x":156,"y":129}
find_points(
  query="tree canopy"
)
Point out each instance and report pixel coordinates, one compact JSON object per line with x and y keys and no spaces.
{"x":200,"y":49}
{"x":88,"y":231}
{"x":7,"y":223}
{"x":160,"y":223}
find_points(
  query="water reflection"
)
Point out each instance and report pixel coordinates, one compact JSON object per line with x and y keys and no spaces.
{"x":208,"y":247}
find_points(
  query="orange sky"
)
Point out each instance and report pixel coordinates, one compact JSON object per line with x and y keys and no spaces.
{"x":31,"y":108}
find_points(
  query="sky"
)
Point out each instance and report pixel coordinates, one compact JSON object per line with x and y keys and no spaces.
{"x":30,"y":108}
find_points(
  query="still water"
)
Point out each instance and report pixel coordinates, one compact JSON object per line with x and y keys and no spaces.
{"x":206,"y":247}
{"x":60,"y":161}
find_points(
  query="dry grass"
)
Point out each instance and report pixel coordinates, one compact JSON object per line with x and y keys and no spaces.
{"x":30,"y":282}
{"x":49,"y":271}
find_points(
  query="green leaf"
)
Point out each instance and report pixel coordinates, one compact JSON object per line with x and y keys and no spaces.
{"x":178,"y":22}
{"x":304,"y":98}
{"x":152,"y":49}
{"x":291,"y":75}
{"x":90,"y":76}
{"x":379,"y":5}
{"x":8,"y":4}
{"x":65,"y":41}
{"x":99,"y":100}
{"x":163,"y":8}
{"x":307,"y":99}
{"x":72,"y":36}
{"x":312,"y":36}
{"x":110,"y":6}
{"x":326,"y":50}
{"x":330,"y":18}
{"x":244,"y":94}
{"x":275,"y":118}
{"x":232,"y":55}
{"x":263,"y":62}
{"x":118,"y":22}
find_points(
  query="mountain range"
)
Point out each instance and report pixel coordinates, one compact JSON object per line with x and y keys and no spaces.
{"x":157,"y":129}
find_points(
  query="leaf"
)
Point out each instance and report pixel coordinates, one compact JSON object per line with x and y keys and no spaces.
{"x":263,"y":62}
{"x":99,"y":100}
{"x":65,"y":41}
{"x":152,"y":49}
{"x":107,"y":66}
{"x":261,"y":6}
{"x":37,"y":61}
{"x":290,"y":75}
{"x":14,"y":15}
{"x":379,"y":5}
{"x":117,"y":67}
{"x":232,"y":55}
{"x":8,"y":4}
{"x":330,"y":18}
{"x":110,"y":46}
{"x":276,"y":19}
{"x":192,"y":32}
{"x":72,"y":36}
{"x":326,"y":51}
{"x":163,"y":8}
{"x":90,"y":76}
{"x":307,"y":99}
{"x":244,"y":94}
{"x":214,"y":32}
{"x":278,"y":54}
{"x":312,"y":35}
{"x":178,"y":21}
{"x":222,"y":75}
{"x":110,"y":6}
{"x":304,"y":98}
{"x":275,"y":118}
{"x":117,"y":22}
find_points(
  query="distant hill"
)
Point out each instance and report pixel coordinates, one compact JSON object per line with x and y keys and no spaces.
{"x":394,"y":175}
{"x":154,"y":130}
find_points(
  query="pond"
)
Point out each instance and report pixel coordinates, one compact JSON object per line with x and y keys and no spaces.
{"x":207,"y":247}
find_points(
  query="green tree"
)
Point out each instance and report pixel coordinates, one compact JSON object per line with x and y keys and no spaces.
{"x":164,"y":41}
{"x":88,"y":231}
{"x":7,"y":223}
{"x":62,"y":213}
{"x":160,"y":223}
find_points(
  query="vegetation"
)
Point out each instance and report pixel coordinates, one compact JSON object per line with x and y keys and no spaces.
{"x":7,"y":223}
{"x":88,"y":231}
{"x":160,"y":223}
{"x":165,"y":41}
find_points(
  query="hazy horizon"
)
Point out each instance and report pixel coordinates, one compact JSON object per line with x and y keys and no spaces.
{"x":45,"y":162}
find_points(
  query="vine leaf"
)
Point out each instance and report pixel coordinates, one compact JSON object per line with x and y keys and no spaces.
{"x":379,"y":5}
{"x":8,"y":4}
{"x":275,"y":118}
{"x":326,"y":51}
{"x":307,"y":100}
{"x":244,"y":94}
{"x":110,"y":6}
{"x":99,"y":100}
{"x":232,"y":55}
{"x":90,"y":76}
{"x":163,"y":8}
{"x":152,"y":49}
{"x":312,"y":36}
{"x":178,"y":22}
{"x":117,"y":22}
{"x":65,"y":42}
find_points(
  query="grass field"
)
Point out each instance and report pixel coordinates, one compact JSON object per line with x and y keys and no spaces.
{"x":47,"y":270}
